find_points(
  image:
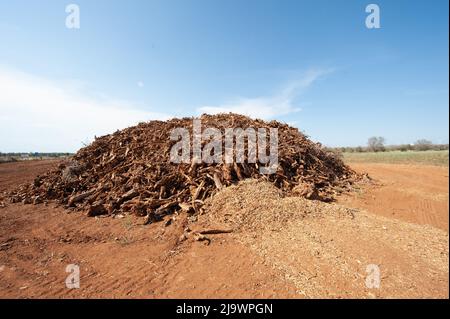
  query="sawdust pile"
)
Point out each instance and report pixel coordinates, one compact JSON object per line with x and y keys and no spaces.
{"x":324,"y":249}
{"x":256,"y":205}
{"x":130,"y":171}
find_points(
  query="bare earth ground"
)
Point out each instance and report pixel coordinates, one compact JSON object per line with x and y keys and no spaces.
{"x":413,"y":193}
{"x":399,"y":224}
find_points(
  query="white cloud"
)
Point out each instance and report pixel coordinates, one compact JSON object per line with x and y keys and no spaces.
{"x":268,"y":107}
{"x":40,"y":115}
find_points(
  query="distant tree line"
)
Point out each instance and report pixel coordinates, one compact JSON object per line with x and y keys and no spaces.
{"x":14,"y":157}
{"x":35,"y":154}
{"x":378,"y":144}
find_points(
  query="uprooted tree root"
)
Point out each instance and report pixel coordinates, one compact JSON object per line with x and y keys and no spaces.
{"x":130,"y":171}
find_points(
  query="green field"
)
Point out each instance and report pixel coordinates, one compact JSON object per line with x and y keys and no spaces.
{"x":397,"y":157}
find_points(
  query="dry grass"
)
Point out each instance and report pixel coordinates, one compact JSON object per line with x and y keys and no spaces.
{"x":440,"y":158}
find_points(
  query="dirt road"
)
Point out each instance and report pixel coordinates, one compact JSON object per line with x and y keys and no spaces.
{"x":311,"y":257}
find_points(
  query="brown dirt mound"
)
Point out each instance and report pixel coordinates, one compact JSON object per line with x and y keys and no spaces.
{"x":130,"y":171}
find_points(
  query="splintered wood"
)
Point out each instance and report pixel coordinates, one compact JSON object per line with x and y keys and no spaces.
{"x":130,"y":171}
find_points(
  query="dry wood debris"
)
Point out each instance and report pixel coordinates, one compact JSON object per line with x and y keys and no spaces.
{"x":129,"y":171}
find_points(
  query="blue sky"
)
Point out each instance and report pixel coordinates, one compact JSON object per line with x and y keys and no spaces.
{"x":312,"y":64}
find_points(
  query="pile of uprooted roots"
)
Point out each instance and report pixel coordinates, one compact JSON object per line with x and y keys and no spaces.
{"x":131,"y":171}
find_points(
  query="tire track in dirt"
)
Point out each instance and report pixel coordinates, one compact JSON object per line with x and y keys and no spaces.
{"x":413,"y":193}
{"x":149,"y":264}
